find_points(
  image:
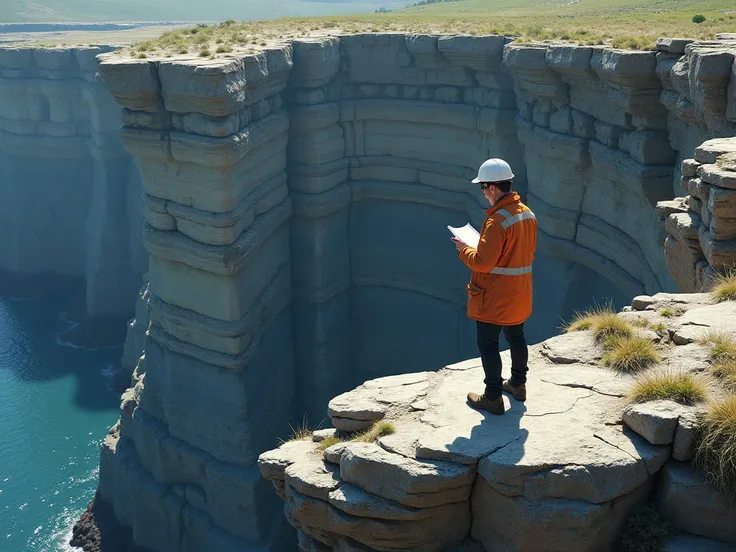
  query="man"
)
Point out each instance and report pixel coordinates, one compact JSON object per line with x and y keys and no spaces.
{"x":500,"y":288}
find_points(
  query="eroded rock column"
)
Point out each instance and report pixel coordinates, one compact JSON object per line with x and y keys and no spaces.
{"x":699,"y":92}
{"x":701,"y":227}
{"x":215,"y":384}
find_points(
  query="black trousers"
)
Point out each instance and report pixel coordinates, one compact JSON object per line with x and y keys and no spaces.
{"x":488,"y":335}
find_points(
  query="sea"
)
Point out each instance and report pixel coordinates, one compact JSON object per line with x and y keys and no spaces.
{"x":56,"y":406}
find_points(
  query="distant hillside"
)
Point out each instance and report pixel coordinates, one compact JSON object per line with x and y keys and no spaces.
{"x":25,"y":11}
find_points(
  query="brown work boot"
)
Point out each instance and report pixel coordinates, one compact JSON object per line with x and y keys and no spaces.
{"x":519,"y":392}
{"x":481,"y":402}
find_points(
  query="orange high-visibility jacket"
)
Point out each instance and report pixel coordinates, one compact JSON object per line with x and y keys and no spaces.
{"x":500,"y":288}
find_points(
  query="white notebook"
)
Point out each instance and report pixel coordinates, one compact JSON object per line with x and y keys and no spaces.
{"x":466,"y":234}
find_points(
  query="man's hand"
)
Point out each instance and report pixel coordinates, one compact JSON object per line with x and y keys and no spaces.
{"x":459,"y":245}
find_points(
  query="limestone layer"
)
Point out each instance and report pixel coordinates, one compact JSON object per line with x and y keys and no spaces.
{"x":295,"y":204}
{"x":557,"y":472}
{"x":69,"y":194}
{"x":701,"y":227}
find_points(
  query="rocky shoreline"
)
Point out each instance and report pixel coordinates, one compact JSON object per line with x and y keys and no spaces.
{"x":99,"y":531}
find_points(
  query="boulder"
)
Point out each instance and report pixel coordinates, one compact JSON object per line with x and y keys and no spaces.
{"x":656,"y":421}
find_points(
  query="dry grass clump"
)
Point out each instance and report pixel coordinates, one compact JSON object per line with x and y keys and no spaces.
{"x":301,"y":432}
{"x":680,"y":387}
{"x":715,"y":453}
{"x":629,"y":355}
{"x":723,"y":356}
{"x":723,"y":346}
{"x":668,"y":312}
{"x":377,"y":430}
{"x":602,"y":321}
{"x":725,"y":370}
{"x":324,"y":444}
{"x":724,"y":287}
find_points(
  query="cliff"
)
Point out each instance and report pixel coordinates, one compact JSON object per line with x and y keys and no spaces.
{"x":295,"y":203}
{"x":557,"y":472}
{"x":69,"y":194}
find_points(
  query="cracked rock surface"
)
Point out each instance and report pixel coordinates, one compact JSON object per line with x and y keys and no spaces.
{"x":439,"y":478}
{"x":561,"y":471}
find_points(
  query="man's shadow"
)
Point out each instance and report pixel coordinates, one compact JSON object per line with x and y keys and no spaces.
{"x":499,"y":436}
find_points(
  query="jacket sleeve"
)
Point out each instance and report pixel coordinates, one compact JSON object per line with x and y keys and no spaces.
{"x":485,"y":258}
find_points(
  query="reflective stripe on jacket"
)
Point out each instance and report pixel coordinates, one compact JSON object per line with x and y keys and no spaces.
{"x":500,"y":288}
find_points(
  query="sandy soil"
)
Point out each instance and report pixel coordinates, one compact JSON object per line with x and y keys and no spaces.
{"x":122,"y":37}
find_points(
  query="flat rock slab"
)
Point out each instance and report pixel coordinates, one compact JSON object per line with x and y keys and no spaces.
{"x":572,"y":348}
{"x":370,"y":401}
{"x":313,"y":477}
{"x":273,"y":463}
{"x":414,"y":483}
{"x":696,"y":323}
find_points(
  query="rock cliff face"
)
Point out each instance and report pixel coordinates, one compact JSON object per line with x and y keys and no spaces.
{"x":295,"y":205}
{"x":69,"y":194}
{"x":701,"y":228}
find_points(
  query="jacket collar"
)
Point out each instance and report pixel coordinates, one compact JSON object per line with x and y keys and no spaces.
{"x":509,"y":198}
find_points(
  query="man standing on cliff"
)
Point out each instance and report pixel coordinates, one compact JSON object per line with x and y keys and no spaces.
{"x":500,"y":288}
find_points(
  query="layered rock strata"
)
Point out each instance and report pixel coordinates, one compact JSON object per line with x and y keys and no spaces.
{"x":602,"y":130}
{"x":296,"y":203}
{"x":698,"y":91}
{"x":558,"y":472}
{"x":69,"y":194}
{"x":216,"y":381}
{"x":701,"y":227}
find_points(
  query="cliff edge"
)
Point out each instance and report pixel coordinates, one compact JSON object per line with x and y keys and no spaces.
{"x":560,"y":471}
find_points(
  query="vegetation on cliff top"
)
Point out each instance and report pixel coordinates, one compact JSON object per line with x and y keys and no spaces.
{"x":716,"y":451}
{"x":680,"y":387}
{"x":602,"y":321}
{"x":724,"y":287}
{"x":627,"y":24}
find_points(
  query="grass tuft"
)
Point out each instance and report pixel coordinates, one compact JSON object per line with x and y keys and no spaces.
{"x":640,"y":322}
{"x":723,"y":346}
{"x":327,"y":443}
{"x":679,"y":387}
{"x":376,"y":431}
{"x":667,"y":313}
{"x":629,"y":355}
{"x":659,"y":327}
{"x":725,"y":370}
{"x":724,"y":287}
{"x":602,"y":321}
{"x":379,"y":429}
{"x":301,"y":432}
{"x":715,"y":453}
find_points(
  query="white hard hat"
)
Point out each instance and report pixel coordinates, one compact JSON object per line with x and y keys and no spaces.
{"x":493,"y":170}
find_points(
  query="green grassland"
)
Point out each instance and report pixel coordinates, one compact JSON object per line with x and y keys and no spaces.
{"x":45,"y":11}
{"x":634,"y":24}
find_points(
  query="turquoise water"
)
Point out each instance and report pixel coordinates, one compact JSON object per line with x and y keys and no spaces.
{"x":55,"y":409}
